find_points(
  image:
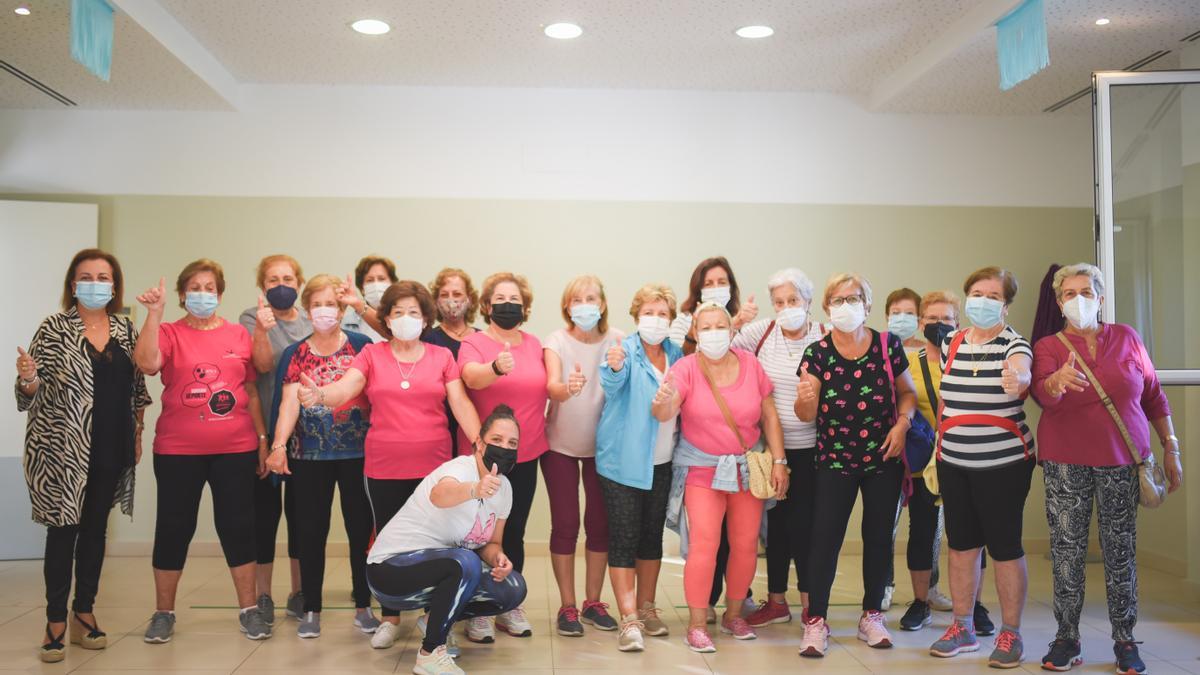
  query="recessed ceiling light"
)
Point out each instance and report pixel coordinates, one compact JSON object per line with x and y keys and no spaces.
{"x":755,"y":32}
{"x":1102,"y":22}
{"x":22,"y":9}
{"x":371,"y":26}
{"x":563,"y":31}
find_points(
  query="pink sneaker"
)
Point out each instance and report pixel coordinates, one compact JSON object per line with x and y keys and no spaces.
{"x":816,"y":638}
{"x":738,"y":628}
{"x":769,"y":612}
{"x":697,"y":640}
{"x":872,"y":629}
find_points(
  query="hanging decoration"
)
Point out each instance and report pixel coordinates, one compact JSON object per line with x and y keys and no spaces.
{"x":92,"y":35}
{"x":1021,"y":45}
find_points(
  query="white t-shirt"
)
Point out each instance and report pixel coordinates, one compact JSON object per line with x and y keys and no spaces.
{"x":571,"y":424}
{"x":421,"y":525}
{"x":780,"y":358}
{"x":664,"y":441}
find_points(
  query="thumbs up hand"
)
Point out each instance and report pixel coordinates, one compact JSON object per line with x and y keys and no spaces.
{"x":347,"y":295}
{"x":504,"y":360}
{"x":806,"y":391}
{"x":489,"y":484}
{"x":576,"y":380}
{"x":264,"y":318}
{"x":1010,"y":378}
{"x":666,"y":390}
{"x":26,"y":366}
{"x":746,"y":314}
{"x":309,"y":394}
{"x":155,"y":298}
{"x":616,"y":357}
{"x":1067,"y":378}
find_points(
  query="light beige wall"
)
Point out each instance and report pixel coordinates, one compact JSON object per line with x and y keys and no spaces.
{"x":626,"y":244}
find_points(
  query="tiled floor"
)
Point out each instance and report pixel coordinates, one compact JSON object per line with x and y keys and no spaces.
{"x":207,"y":638}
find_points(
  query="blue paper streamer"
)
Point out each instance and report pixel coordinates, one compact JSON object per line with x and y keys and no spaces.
{"x":92,"y":35}
{"x":1022,"y":48}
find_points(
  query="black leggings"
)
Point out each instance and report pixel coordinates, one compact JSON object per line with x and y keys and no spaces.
{"x":452,"y":583}
{"x":636,"y":518}
{"x":523,"y":479}
{"x":181,"y":480}
{"x":834,"y":496}
{"x":313,"y":482}
{"x":273,"y":499}
{"x":81,"y":546}
{"x":385,"y":498}
{"x":789,"y":524}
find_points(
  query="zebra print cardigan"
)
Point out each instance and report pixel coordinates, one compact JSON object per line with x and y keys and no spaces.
{"x":58,"y":434}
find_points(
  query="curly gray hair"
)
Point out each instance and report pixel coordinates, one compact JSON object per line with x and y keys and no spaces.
{"x":1092,"y":272}
{"x":798,"y":279}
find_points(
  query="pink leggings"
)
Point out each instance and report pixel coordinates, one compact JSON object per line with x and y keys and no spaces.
{"x":706,"y":508}
{"x":562,"y":474}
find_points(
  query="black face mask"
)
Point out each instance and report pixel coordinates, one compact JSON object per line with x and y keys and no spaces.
{"x":281,"y":297}
{"x":504,"y":459}
{"x":508,"y":315}
{"x":937,"y":331}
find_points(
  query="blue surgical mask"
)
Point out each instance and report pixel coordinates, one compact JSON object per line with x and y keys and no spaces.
{"x":902,"y":326}
{"x":984,"y":312}
{"x":201,"y":304}
{"x":585,"y":316}
{"x":94,"y":294}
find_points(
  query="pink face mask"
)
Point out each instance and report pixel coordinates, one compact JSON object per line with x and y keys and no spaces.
{"x":324,"y":319}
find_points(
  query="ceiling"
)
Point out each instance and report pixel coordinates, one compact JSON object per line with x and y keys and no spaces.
{"x":852,"y":48}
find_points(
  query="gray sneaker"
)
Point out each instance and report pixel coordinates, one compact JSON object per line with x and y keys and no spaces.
{"x":161,"y":628}
{"x":310,"y":625}
{"x":452,"y":647}
{"x":956,"y":640}
{"x":1008,"y":652}
{"x":266,"y":607}
{"x":366,"y":621}
{"x":295,"y":605}
{"x":253,"y":625}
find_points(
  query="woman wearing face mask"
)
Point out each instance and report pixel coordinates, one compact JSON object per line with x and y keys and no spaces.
{"x":323,"y":448}
{"x":443,"y":551}
{"x":407,"y":384}
{"x":85,"y":401}
{"x":859,"y":392}
{"x":372,"y":276}
{"x":779,"y":344}
{"x":504,"y":364}
{"x":457,"y":301}
{"x":710,"y":473}
{"x":1085,"y":458}
{"x":573,"y":356}
{"x":712,"y":281}
{"x":985,"y":462}
{"x":211,"y":430}
{"x":633,"y":460}
{"x":273,"y":325}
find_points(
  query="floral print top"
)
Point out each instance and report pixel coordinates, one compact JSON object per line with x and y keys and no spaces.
{"x":855,"y":408}
{"x":322,"y":432}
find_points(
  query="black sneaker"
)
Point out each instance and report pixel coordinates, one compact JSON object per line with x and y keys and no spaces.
{"x":1062,"y":655}
{"x":917,"y":617}
{"x":983,"y":622}
{"x":1128,"y":660}
{"x":568,"y":622}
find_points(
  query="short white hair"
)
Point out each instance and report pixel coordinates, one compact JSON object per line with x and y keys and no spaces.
{"x":1088,"y":270}
{"x":794,"y":276}
{"x":705,"y":307}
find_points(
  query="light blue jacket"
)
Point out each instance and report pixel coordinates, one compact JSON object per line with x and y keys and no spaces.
{"x":627,"y":431}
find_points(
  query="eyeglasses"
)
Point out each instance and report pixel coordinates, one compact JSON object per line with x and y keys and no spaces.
{"x":849,"y":299}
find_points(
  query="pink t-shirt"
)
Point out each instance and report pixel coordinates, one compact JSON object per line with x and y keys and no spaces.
{"x":700,"y":418}
{"x":410,"y":434}
{"x":204,"y":405}
{"x":523,"y":390}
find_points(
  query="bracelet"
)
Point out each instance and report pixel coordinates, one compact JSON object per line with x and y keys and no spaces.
{"x":1172,"y":452}
{"x":781,"y":461}
{"x":262,"y":437}
{"x":278,"y":447}
{"x":689,"y":339}
{"x":496,"y":369}
{"x":1167,"y":439}
{"x":26,"y":383}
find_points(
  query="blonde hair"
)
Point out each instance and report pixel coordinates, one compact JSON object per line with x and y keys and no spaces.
{"x":316,"y":285}
{"x":939,"y":297}
{"x":846,"y":278}
{"x":1007,"y":280}
{"x":710,"y":307}
{"x":653,"y":293}
{"x":266,"y":262}
{"x":1092,"y":272}
{"x":578,"y":285}
{"x":489,"y":287}
{"x":440,"y":280}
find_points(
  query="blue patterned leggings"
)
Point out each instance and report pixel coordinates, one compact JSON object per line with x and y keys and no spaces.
{"x":1071,"y":490}
{"x":453,"y":583}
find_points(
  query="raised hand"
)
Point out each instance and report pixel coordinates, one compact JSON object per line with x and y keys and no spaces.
{"x":666,"y":390}
{"x":489,"y":484}
{"x":805,"y":391}
{"x":26,"y":366}
{"x":155,"y":298}
{"x":616,"y":357}
{"x":309,"y":394}
{"x":264,"y":318}
{"x":746,"y":314}
{"x":347,"y":295}
{"x":504,"y":360}
{"x":1067,"y":378}
{"x":576,"y":380}
{"x":1010,"y":378}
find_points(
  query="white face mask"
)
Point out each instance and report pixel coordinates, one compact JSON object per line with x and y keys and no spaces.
{"x":653,"y":329}
{"x":714,"y":343}
{"x":373,"y":292}
{"x":324,"y":319}
{"x":406,"y":327}
{"x":848,"y":317}
{"x":792,"y":318}
{"x":718,"y":295}
{"x":1082,"y":312}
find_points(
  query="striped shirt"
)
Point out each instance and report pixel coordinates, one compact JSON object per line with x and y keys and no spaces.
{"x":972,"y":387}
{"x":780,"y":358}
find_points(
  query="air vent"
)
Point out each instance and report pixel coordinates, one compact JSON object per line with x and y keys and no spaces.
{"x":1136,"y":65}
{"x":35,"y":83}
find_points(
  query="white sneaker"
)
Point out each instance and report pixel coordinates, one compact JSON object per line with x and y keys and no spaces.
{"x":436,"y":663}
{"x":385,"y":636}
{"x":888,"y":592}
{"x":872,"y":629}
{"x":816,"y":638}
{"x":514,"y":623}
{"x":480,"y":629}
{"x":452,"y":647}
{"x":938,"y":601}
{"x":630,"y":638}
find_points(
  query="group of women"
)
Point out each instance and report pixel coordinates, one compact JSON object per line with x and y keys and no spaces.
{"x":432,"y":432}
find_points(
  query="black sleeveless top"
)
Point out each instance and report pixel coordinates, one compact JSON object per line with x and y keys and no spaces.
{"x":112,"y":418}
